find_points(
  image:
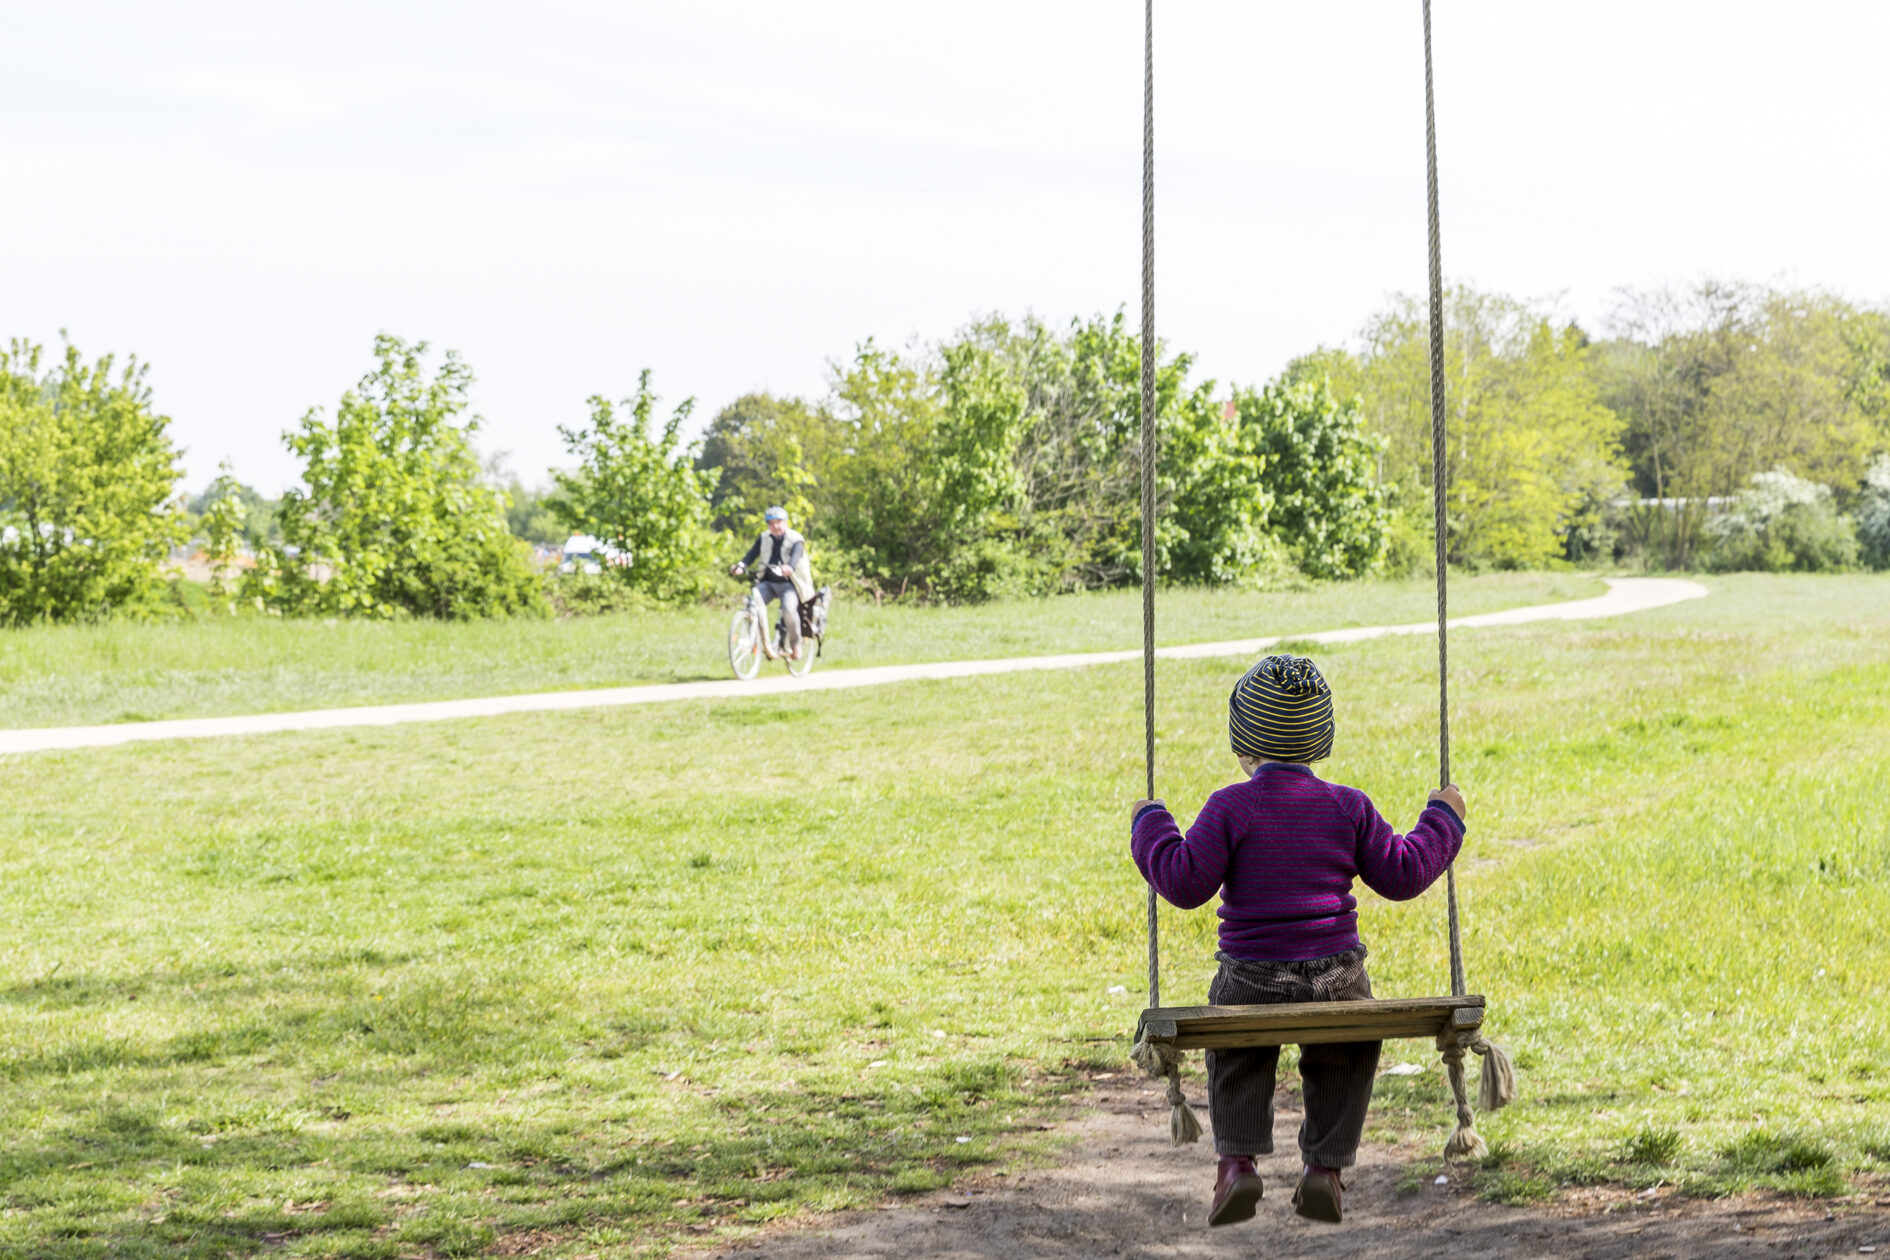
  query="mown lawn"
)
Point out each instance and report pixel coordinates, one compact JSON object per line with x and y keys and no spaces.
{"x":592,"y":981}
{"x":76,"y":675}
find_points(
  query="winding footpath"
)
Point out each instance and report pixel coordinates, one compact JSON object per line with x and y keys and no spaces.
{"x":1624,"y":595}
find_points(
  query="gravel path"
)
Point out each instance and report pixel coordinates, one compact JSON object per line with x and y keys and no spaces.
{"x":1121,"y":1190}
{"x":1624,"y":595}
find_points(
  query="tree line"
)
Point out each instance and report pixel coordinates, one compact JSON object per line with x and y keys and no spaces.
{"x":1718,"y":426}
{"x":1660,"y":442}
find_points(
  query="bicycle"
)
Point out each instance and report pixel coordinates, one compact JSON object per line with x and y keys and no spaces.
{"x":748,"y":638}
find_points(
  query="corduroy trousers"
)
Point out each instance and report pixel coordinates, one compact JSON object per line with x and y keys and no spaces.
{"x":1336,"y":1077}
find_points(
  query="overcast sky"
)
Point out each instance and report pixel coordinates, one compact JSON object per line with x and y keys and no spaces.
{"x":734,"y":194}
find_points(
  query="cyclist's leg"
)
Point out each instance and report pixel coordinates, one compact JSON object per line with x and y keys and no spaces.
{"x":791,"y":614}
{"x":771,"y":590}
{"x":764,"y":591}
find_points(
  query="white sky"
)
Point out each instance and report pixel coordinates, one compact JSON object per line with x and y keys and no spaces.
{"x":734,"y":194}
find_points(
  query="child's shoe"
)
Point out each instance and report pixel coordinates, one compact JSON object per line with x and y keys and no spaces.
{"x":1317,"y":1198}
{"x":1236,"y":1189}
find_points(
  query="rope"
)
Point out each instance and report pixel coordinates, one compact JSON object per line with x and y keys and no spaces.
{"x":1497,"y":1087}
{"x":1148,"y":453}
{"x":1154,"y":1058}
{"x":1439,"y":476}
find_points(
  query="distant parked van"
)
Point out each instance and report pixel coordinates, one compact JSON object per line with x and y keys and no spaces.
{"x":583,"y":553}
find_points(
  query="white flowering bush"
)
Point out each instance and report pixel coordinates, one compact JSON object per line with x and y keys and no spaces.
{"x":1782,"y":523}
{"x":1873,"y":514}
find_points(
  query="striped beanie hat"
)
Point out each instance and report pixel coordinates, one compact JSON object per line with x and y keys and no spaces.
{"x":1281,"y":710}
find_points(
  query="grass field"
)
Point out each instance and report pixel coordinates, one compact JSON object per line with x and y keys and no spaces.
{"x":74,"y":675}
{"x":601,"y":981}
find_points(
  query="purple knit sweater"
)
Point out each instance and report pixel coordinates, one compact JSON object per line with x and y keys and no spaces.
{"x":1282,"y":849}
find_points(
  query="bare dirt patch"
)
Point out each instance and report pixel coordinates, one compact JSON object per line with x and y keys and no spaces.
{"x":1120,"y":1190}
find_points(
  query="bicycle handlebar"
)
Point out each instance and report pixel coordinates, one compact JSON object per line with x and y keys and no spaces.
{"x":758,"y":575}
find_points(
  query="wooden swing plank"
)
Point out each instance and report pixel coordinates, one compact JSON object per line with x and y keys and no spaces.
{"x":1308,"y":1023}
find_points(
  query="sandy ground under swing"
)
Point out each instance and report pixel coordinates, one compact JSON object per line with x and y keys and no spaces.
{"x":1121,"y":1190}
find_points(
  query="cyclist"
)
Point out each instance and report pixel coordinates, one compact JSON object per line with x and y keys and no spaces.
{"x":785,"y":575}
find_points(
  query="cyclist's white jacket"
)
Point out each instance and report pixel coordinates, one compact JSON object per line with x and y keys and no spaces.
{"x":794,"y":554}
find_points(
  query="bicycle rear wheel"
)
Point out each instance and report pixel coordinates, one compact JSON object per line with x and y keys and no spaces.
{"x":744,"y":644}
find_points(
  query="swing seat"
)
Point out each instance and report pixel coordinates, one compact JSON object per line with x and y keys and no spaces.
{"x":1309,"y":1023}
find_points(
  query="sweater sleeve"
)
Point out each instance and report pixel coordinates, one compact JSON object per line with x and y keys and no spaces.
{"x":754,"y":554}
{"x":1186,"y":870}
{"x":1399,"y":867}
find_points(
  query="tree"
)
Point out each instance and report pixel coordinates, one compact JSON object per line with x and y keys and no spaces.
{"x":879,"y":497}
{"x":88,"y":478}
{"x":1867,"y":375}
{"x":1004,"y":460}
{"x":928,"y":490}
{"x":527,"y":510}
{"x":1320,"y":471}
{"x":1669,"y":346}
{"x":1079,"y":460}
{"x":1782,"y":398}
{"x":1542,"y":453}
{"x":529,"y":516}
{"x":256,"y":515}
{"x":222,"y":514}
{"x":1722,"y":380}
{"x":763,"y":450}
{"x":1533,"y":450}
{"x":641,"y":493}
{"x":1215,"y":511}
{"x":394,"y":516}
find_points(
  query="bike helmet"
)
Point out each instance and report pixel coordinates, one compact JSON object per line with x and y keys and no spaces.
{"x":775,"y":514}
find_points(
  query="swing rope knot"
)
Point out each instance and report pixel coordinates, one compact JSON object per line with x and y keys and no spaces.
{"x":1158,"y":1058}
{"x":1495,"y":1090}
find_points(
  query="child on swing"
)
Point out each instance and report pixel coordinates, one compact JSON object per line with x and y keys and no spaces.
{"x":1282,"y":847}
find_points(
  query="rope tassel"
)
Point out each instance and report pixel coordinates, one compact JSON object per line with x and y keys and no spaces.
{"x":1497,"y":1089}
{"x":1159,"y":1059}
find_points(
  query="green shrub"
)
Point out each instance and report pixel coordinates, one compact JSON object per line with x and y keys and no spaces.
{"x":1319,"y":466}
{"x":593,"y":594}
{"x":394,"y":517}
{"x":1873,"y":515}
{"x":991,"y":568}
{"x":850,"y":576}
{"x":88,"y":476}
{"x":638,"y":489}
{"x":1410,"y":543}
{"x":1782,"y":524}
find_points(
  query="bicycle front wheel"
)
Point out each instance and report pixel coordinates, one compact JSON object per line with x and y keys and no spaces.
{"x":744,"y":644}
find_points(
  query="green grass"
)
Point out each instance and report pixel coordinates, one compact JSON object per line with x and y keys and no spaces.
{"x":77,"y":675}
{"x":1652,"y":1146}
{"x":606,"y":980}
